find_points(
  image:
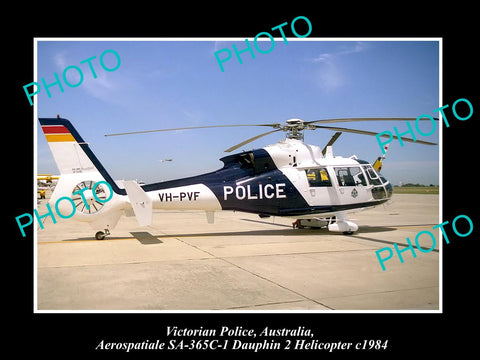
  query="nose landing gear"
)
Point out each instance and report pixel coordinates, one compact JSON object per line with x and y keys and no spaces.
{"x":336,"y":224}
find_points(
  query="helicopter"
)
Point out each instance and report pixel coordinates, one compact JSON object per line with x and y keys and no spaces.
{"x":290,"y":179}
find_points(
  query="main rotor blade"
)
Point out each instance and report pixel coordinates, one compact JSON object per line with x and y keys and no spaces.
{"x":274,"y":125}
{"x":325,"y":121}
{"x":332,"y":140}
{"x":371,"y":133}
{"x":250,"y":140}
{"x":191,"y":127}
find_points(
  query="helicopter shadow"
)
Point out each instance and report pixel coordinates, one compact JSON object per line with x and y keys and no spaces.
{"x":146,"y":238}
{"x":283,"y":230}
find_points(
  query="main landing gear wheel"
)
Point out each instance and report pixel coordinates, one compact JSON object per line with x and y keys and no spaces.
{"x":100,"y":235}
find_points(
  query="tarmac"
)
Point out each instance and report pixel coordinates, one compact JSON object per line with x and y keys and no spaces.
{"x":241,"y":263}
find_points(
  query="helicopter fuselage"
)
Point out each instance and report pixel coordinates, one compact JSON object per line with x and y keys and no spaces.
{"x":290,"y":178}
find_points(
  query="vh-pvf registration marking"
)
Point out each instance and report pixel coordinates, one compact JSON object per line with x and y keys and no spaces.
{"x":182,"y":195}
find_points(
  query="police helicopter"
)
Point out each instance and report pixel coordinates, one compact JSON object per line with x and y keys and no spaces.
{"x":289,"y":179}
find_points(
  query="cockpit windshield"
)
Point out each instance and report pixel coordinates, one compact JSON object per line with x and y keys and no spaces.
{"x":373,"y":176}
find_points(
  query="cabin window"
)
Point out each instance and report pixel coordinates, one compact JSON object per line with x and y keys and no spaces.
{"x":318,"y":177}
{"x":350,"y":176}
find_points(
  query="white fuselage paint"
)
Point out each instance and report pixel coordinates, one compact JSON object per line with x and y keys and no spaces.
{"x":191,"y":197}
{"x":294,"y":157}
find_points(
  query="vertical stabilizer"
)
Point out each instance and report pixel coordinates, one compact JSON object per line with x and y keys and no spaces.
{"x":141,"y":203}
{"x":71,"y":153}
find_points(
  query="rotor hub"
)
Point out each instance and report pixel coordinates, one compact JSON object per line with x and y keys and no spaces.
{"x":294,"y":122}
{"x":294,"y":128}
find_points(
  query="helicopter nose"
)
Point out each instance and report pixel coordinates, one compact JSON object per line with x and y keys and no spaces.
{"x":389,"y":189}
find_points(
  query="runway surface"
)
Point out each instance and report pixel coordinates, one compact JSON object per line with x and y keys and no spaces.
{"x":241,"y":262}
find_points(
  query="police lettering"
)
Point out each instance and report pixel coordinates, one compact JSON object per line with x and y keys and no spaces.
{"x":255,"y":192}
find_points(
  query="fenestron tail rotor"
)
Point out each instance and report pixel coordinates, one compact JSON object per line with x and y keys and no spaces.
{"x":294,"y":129}
{"x":83,"y":194}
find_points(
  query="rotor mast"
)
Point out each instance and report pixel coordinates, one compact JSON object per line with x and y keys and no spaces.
{"x":294,"y":129}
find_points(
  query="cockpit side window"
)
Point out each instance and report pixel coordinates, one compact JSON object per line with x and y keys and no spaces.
{"x":350,"y":176}
{"x":318,"y":177}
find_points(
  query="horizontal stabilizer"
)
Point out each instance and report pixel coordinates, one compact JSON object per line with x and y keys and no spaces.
{"x":141,"y":203}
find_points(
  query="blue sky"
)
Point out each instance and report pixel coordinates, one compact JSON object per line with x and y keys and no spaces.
{"x":169,"y":84}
